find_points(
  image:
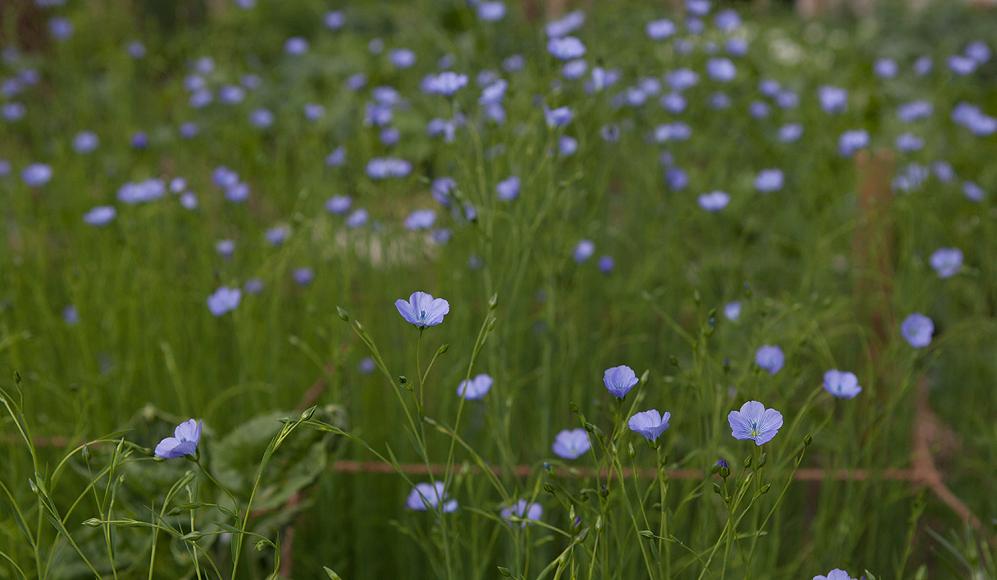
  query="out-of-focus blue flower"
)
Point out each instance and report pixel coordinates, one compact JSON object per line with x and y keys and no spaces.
{"x":402,"y":58}
{"x":430,"y":497}
{"x":769,"y":180}
{"x":558,"y":117}
{"x":276,"y":235}
{"x":366,"y":365}
{"x":727,"y":20}
{"x":574,"y":69}
{"x":231,"y":94}
{"x":387,"y":167}
{"x":314,"y":112}
{"x":13,"y":111}
{"x":223,"y":300}
{"x":732,"y":311}
{"x":189,"y":130}
{"x":357,"y":219}
{"x":420,"y":219}
{"x":911,"y":177}
{"x":389,"y":136}
{"x":649,"y":424}
{"x":100,"y":215}
{"x":972,"y":191}
{"x":225,"y":248}
{"x":70,"y":315}
{"x":682,"y":79}
{"x":721,"y":69}
{"x":85,"y":142}
{"x":787,"y":100}
{"x":885,"y":68}
{"x":446,"y":83}
{"x":253,"y":286}
{"x":962,"y":65}
{"x":261,"y":118}
{"x":917,"y":330}
{"x":676,"y":178}
{"x":754,"y":422}
{"x":943,"y":171}
{"x":833,"y":99}
{"x":673,"y":102}
{"x":296,"y":46}
{"x":475,"y":388}
{"x":841,"y":384}
{"x":334,"y":20}
{"x":790,"y":133}
{"x":619,"y":380}
{"x":852,"y":141}
{"x":978,"y":51}
{"x":336,"y":158}
{"x":770,"y":358}
{"x":974,"y":119}
{"x":606,"y":264}
{"x":697,"y":7}
{"x":567,"y":146}
{"x":508,"y":189}
{"x":719,"y":100}
{"x":914,"y":110}
{"x":571,"y":444}
{"x":836,"y":574}
{"x":566,"y":48}
{"x":422,"y":310}
{"x":660,"y":29}
{"x":493,"y":93}
{"x":527,"y":511}
{"x":714,"y":201}
{"x":5,"y":168}
{"x":677,"y":131}
{"x":184,"y":441}
{"x":60,"y":28}
{"x":514,"y":63}
{"x":188,"y":201}
{"x":303,"y":276}
{"x":907,"y":142}
{"x":759,"y":109}
{"x":567,"y":24}
{"x":584,"y":250}
{"x":142,"y":191}
{"x":946,"y":261}
{"x":491,"y":11}
{"x":923,"y":66}
{"x":356,"y":81}
{"x":338,"y":204}
{"x":36,"y":174}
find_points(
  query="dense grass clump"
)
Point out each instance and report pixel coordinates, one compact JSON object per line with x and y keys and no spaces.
{"x":441,"y":290}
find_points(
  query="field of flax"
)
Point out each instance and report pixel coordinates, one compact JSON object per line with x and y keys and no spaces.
{"x":447,"y":289}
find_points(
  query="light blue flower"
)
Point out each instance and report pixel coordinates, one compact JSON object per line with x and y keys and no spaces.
{"x":770,"y":358}
{"x":841,"y":384}
{"x":649,"y":424}
{"x":571,"y":444}
{"x":423,"y":310}
{"x":917,"y":330}
{"x":184,"y":441}
{"x":754,"y":422}
{"x":619,"y":380}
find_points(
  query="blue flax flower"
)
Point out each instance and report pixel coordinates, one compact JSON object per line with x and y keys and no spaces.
{"x":649,"y":424}
{"x":184,"y":441}
{"x":571,"y":443}
{"x":917,"y":330}
{"x":619,"y":380}
{"x":841,"y":384}
{"x":475,"y":388}
{"x":754,"y":422}
{"x":422,"y":310}
{"x":430,"y":496}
